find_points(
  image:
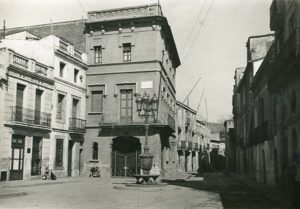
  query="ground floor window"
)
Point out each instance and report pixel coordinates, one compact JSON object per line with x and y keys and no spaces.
{"x":59,"y":153}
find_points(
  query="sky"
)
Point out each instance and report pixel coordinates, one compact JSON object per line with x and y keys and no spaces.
{"x":210,"y":35}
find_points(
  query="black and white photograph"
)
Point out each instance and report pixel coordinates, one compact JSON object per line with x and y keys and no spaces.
{"x":150,"y":104}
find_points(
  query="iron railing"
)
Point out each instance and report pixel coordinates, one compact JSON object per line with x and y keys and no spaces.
{"x":77,"y":125}
{"x":30,"y":117}
{"x":190,"y":145}
{"x":181,"y":144}
{"x":112,"y":119}
{"x":196,"y":146}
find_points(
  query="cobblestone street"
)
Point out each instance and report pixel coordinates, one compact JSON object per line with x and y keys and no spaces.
{"x":214,"y":191}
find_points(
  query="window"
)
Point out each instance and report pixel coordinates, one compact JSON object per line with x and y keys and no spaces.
{"x":76,"y":75}
{"x":291,"y":24}
{"x":61,"y":69}
{"x":97,"y":54}
{"x":95,"y":151}
{"x":59,"y":153}
{"x":60,"y":106}
{"x":96,"y":101}
{"x":127,"y":52}
{"x":294,"y":101}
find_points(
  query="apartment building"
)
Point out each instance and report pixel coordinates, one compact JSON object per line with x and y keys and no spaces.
{"x":26,"y":105}
{"x":131,"y":52}
{"x":67,"y":101}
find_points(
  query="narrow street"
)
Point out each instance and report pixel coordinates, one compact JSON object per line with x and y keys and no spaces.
{"x":215,"y":190}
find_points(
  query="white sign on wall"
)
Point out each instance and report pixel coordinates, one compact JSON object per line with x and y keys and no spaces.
{"x":146,"y":84}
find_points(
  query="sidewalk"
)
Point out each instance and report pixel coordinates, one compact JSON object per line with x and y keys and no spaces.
{"x":9,"y":188}
{"x":274,"y":194}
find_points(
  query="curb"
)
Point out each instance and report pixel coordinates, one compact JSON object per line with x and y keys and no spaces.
{"x":13,"y":194}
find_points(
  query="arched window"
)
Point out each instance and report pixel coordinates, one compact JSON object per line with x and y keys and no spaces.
{"x":294,"y":144}
{"x":95,"y":151}
{"x":293,"y":101}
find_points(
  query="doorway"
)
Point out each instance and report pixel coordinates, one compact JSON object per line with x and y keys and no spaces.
{"x":125,"y":156}
{"x":70,"y":148}
{"x":80,"y":161}
{"x":17,"y":157}
{"x":36,"y":161}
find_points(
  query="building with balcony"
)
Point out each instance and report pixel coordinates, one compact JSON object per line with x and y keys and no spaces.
{"x":130,"y":51}
{"x":190,"y":139}
{"x":284,"y":83}
{"x":67,"y":101}
{"x":252,"y":110}
{"x":26,"y":105}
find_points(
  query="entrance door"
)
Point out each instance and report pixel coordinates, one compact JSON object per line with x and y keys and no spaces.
{"x":37,"y":110}
{"x":80,"y":161}
{"x":19,"y":103}
{"x":70,"y":158}
{"x":125,"y":156}
{"x":125,"y":164}
{"x":17,"y":157}
{"x":36,"y":162}
{"x":126,"y":106}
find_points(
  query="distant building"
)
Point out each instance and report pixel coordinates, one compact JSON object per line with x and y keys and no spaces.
{"x":229,"y":144}
{"x":130,"y":51}
{"x":188,"y":138}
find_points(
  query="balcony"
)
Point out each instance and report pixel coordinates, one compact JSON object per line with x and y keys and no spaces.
{"x":29,"y":117}
{"x":196,"y":147}
{"x":181,"y":145}
{"x":112,"y":121}
{"x":277,"y":14}
{"x":190,"y":145}
{"x":77,"y":125}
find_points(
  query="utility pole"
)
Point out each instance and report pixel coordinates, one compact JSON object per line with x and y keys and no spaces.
{"x":206,"y":110}
{"x":3,"y":36}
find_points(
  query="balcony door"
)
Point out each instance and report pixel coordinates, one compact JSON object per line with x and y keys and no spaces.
{"x":36,"y":162}
{"x":19,"y":102}
{"x":37,"y":110}
{"x":126,"y":106}
{"x":74,"y":115}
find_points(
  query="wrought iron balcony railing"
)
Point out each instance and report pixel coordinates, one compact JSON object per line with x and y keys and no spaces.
{"x":181,"y":145}
{"x":196,"y":146}
{"x":112,"y":119}
{"x":27,"y":116}
{"x":77,"y":125}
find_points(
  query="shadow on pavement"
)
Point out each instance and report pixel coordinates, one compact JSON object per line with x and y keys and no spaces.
{"x":233,"y":194}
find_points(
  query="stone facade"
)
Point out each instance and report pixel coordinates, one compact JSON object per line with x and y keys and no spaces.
{"x":129,"y":55}
{"x":26,"y":127}
{"x":266,"y":111}
{"x":69,"y":80}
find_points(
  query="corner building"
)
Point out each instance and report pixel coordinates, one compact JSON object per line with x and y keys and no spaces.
{"x":130,"y":51}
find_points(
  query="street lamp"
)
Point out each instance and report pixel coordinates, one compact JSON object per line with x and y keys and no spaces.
{"x":146,"y":107}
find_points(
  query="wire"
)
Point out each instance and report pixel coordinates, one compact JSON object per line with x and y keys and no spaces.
{"x":194,"y":26}
{"x":80,"y":4}
{"x":199,"y":29}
